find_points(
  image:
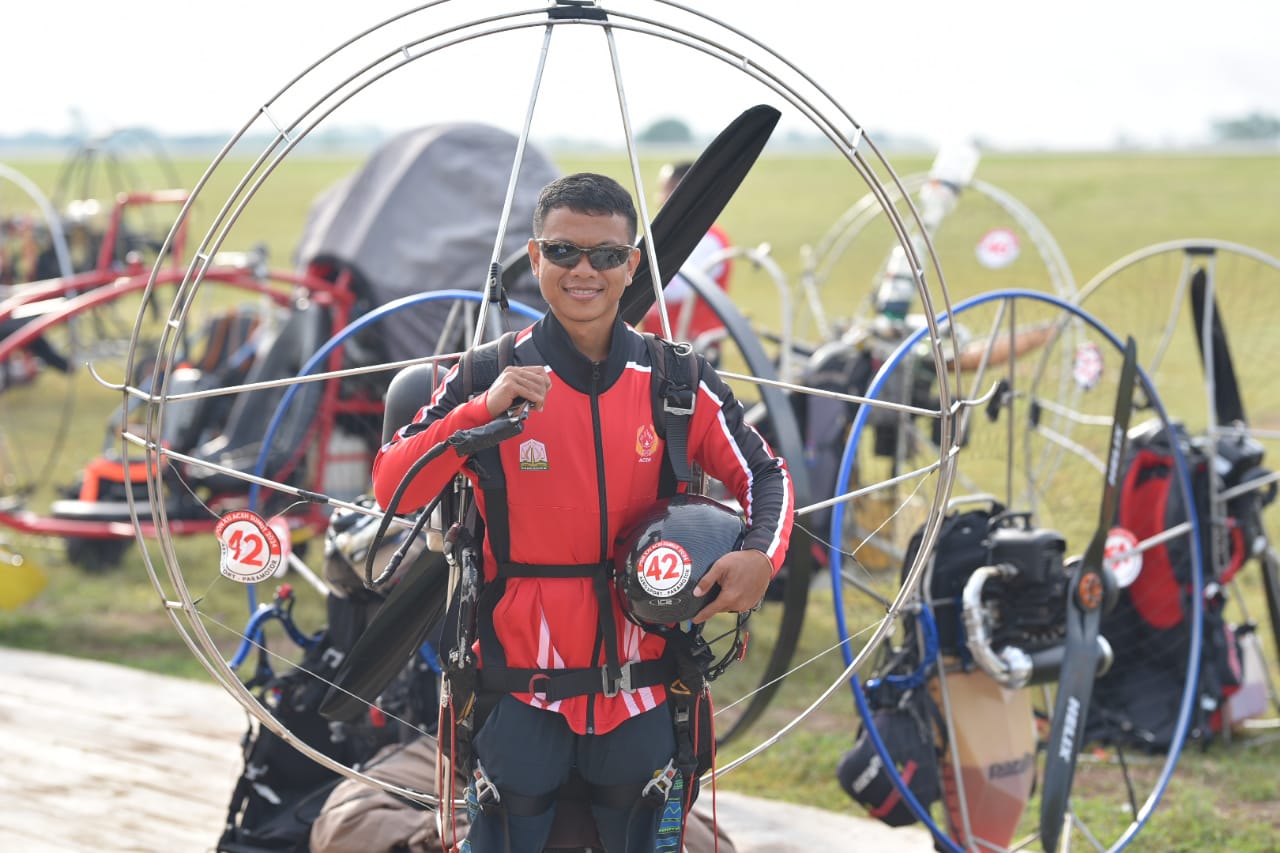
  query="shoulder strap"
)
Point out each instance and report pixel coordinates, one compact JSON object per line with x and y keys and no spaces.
{"x":673,"y":390}
{"x":480,"y":370}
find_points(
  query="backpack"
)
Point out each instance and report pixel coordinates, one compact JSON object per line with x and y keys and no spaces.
{"x":1138,"y":699}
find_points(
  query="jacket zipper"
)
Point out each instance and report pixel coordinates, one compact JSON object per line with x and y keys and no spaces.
{"x":598,"y":440}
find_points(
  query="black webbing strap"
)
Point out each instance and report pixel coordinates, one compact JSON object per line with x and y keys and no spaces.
{"x":480,"y":373}
{"x":523,"y":805}
{"x":531,"y":570}
{"x":552,"y":685}
{"x":673,"y":388}
{"x":618,"y":796}
{"x":480,"y":368}
{"x":607,"y":635}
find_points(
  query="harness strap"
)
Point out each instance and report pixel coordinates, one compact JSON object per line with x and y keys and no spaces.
{"x":487,"y":370}
{"x":531,"y":570}
{"x":523,"y":805}
{"x":673,"y":382}
{"x":552,"y":685}
{"x":619,"y":796}
{"x":607,"y":634}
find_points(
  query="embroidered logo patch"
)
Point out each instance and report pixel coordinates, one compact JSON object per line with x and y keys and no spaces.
{"x":646,"y":441}
{"x":533,"y":456}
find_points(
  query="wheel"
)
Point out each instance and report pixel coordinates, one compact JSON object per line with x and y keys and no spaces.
{"x":1034,"y":436}
{"x":96,"y":556}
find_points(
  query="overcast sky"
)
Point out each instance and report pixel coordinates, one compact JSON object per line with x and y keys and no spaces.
{"x":1062,"y":75}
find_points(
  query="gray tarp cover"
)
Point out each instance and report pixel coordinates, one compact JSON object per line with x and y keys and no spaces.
{"x":423,"y":214}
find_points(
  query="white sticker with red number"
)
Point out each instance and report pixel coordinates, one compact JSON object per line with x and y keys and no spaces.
{"x":1086,"y":367}
{"x":1122,"y":555}
{"x":251,"y":550}
{"x":664,"y":568}
{"x":997,"y":249}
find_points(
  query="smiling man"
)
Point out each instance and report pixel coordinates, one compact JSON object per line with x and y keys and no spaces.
{"x":567,"y":685}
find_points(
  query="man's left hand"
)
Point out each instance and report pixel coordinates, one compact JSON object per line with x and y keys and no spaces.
{"x":743,"y":577}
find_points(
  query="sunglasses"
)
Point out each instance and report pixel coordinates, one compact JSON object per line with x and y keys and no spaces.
{"x":601,"y":258}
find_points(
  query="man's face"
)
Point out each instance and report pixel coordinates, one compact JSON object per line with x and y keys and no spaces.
{"x":583,"y":294}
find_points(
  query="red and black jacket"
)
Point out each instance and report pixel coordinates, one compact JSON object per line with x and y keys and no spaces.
{"x":582,"y":471}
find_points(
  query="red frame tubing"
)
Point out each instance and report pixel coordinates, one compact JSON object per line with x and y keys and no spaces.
{"x":84,"y":292}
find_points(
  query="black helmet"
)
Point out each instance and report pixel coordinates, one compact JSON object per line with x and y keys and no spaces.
{"x":659,"y":560}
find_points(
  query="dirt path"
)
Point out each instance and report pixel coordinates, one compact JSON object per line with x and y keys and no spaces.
{"x":96,"y":757}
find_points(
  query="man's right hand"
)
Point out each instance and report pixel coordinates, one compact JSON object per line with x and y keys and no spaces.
{"x":529,"y":384}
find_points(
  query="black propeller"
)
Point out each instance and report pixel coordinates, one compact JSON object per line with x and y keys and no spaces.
{"x":1229,"y":405}
{"x":691,"y":209}
{"x":1226,"y":391}
{"x":416,"y":605}
{"x":1091,"y":592}
{"x":696,"y":203}
{"x":413,"y":610}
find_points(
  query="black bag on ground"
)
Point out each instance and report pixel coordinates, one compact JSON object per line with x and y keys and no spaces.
{"x":281,"y":791}
{"x":907,"y":732}
{"x":904,"y":715}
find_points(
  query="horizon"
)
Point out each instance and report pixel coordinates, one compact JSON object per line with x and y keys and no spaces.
{"x":1098,"y":77}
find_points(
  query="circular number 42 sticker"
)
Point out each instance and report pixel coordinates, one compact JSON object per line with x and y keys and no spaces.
{"x":664,"y":569}
{"x":251,"y":550}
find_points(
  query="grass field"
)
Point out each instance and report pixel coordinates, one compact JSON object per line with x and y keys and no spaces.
{"x":1097,"y":207}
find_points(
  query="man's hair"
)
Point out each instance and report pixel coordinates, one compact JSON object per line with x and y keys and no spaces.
{"x":585,"y":192}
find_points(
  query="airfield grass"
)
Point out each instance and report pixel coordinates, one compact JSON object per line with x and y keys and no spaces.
{"x":1098,"y":207}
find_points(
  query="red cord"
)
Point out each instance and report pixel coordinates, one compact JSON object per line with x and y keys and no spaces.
{"x":715,"y":818}
{"x":441,"y":785}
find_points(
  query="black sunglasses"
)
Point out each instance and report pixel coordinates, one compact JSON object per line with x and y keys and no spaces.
{"x":601,"y":258}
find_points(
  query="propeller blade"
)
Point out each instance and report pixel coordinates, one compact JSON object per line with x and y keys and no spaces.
{"x":412,"y":611}
{"x":696,"y":203}
{"x":691,"y":209}
{"x":1226,"y":390}
{"x":1091,"y":592}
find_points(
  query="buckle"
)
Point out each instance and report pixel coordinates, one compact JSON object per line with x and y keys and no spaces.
{"x":535,"y":691}
{"x":659,"y":787}
{"x":677,"y":399}
{"x":486,"y":792}
{"x":622,"y":683}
